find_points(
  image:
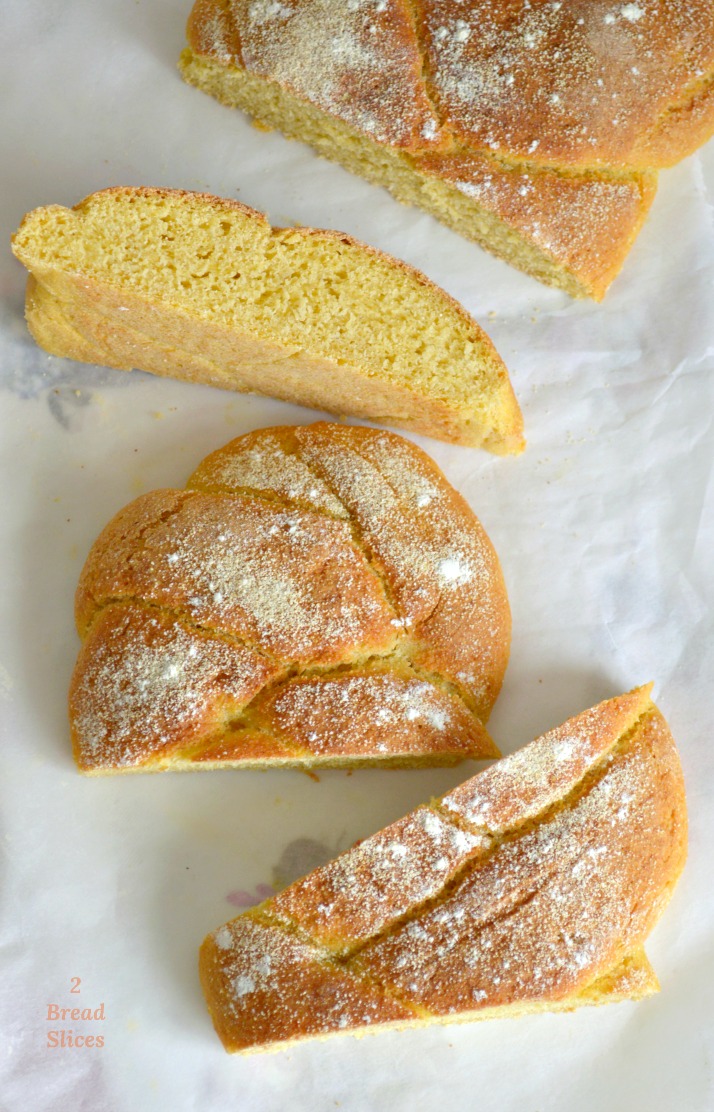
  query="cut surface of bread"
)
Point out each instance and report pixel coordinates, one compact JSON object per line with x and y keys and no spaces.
{"x":531,"y":887}
{"x":202,"y":288}
{"x":319,"y":595}
{"x":535,"y":129}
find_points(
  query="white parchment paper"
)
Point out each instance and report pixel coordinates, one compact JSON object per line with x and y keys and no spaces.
{"x":605,"y":528}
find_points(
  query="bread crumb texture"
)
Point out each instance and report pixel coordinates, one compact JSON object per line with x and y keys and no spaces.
{"x":319,"y":595}
{"x":202,"y":288}
{"x":530,"y":887}
{"x":535,"y":127}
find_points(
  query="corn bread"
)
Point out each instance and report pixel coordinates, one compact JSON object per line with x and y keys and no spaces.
{"x":535,"y":129}
{"x":202,"y":288}
{"x":318,"y":595}
{"x":530,"y":887}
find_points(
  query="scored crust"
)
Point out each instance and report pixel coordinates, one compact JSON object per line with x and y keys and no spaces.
{"x":318,"y":595}
{"x":530,"y":887}
{"x":587,"y":99}
{"x":583,"y":84}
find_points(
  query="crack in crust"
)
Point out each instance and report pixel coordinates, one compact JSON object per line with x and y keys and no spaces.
{"x":543,"y":902}
{"x":317,"y":595}
{"x":482,"y":842}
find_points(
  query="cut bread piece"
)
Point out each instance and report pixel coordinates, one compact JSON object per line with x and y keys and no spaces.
{"x":318,"y":596}
{"x":202,"y":288}
{"x":556,"y":115}
{"x":531,"y":887}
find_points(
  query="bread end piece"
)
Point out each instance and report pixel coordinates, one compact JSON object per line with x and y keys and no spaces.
{"x":501,"y":906}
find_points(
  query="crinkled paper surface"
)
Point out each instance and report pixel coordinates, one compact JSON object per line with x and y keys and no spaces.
{"x":604,"y":526}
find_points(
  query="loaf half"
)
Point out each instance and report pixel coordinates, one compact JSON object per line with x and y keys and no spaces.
{"x":534,"y":128}
{"x":202,"y":288}
{"x":530,"y":887}
{"x":318,"y":596}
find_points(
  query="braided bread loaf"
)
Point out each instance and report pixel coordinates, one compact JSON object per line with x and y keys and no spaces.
{"x":530,"y":887}
{"x":318,"y":595}
{"x":534,"y":128}
{"x":202,"y":288}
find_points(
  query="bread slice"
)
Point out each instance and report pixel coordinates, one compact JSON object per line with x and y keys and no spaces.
{"x":535,"y":129}
{"x":530,"y":887}
{"x":202,"y":288}
{"x":318,"y":596}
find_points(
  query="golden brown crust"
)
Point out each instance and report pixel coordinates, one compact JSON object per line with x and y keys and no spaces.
{"x":585,"y":99}
{"x":305,"y":994}
{"x":319,"y":595}
{"x":580,"y":85}
{"x":147,"y":687}
{"x":685,"y":126}
{"x":195,"y":553}
{"x":533,"y":780}
{"x":372,"y":66}
{"x":526,"y":923}
{"x":584,"y":223}
{"x":204,"y":289}
{"x":447,"y":596}
{"x":531,"y":887}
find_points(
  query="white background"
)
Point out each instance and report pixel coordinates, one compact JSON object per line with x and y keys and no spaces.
{"x":605,"y":530}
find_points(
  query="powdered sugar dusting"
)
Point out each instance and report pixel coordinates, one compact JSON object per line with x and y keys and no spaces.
{"x":242,"y":985}
{"x":439,"y":565}
{"x":590,"y":210}
{"x":583,"y":84}
{"x":266,"y":952}
{"x":261,"y":463}
{"x":372,"y":885}
{"x":553,"y":82}
{"x":453,"y":570}
{"x":265,"y":11}
{"x":223,"y":938}
{"x":630,"y":12}
{"x":524,"y":784}
{"x":215,"y":32}
{"x":533,"y":919}
{"x":291,"y":582}
{"x":270,"y":983}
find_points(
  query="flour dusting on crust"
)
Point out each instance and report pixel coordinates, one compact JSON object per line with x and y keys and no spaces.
{"x":342,"y":571}
{"x":357,"y":60}
{"x":449,"y":921}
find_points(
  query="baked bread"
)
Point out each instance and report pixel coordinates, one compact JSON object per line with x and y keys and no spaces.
{"x":202,"y":288}
{"x":317,"y":596}
{"x":530,"y":887}
{"x":534,"y":128}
